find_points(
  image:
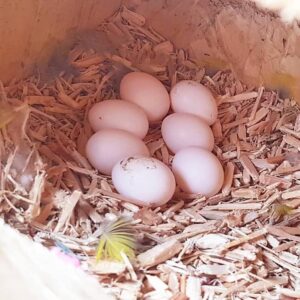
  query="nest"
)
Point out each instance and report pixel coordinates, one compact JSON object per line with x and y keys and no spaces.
{"x":242,"y":243}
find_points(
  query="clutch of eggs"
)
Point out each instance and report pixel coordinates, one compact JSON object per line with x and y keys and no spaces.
{"x":117,"y":148}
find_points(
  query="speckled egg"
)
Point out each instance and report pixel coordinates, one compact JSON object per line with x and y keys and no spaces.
{"x":146,"y":181}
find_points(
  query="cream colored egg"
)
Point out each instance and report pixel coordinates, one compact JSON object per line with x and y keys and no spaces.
{"x":108,"y":146}
{"x":198,"y":171}
{"x":181,"y":130}
{"x":146,"y":181}
{"x":147,"y":92}
{"x":189,"y":96}
{"x":117,"y":114}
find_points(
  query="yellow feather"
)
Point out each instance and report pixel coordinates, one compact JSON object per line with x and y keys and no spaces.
{"x":117,"y":236}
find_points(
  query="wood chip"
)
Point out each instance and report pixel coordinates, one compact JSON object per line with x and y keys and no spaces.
{"x":159,"y":253}
{"x":256,"y":104}
{"x":261,"y":114}
{"x":229,"y":172}
{"x":249,"y":193}
{"x":246,"y":238}
{"x":107,"y":267}
{"x":248,"y":165}
{"x":266,"y":179}
{"x":69,"y":205}
{"x":291,"y":194}
{"x":294,"y":142}
{"x":193,"y":288}
{"x":233,"y":206}
{"x":294,"y":270}
{"x":267,"y":284}
{"x":241,"y":97}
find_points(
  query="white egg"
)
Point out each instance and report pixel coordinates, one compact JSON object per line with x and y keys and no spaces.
{"x":118,"y":114}
{"x":181,"y":130}
{"x":198,"y":171}
{"x":106,"y":147}
{"x":144,"y":180}
{"x":191,"y":97}
{"x":147,"y":92}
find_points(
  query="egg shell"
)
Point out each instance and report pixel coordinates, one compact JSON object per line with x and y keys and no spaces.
{"x":189,"y":96}
{"x":146,"y":181}
{"x":198,"y":171}
{"x":181,"y":130}
{"x":147,"y":92}
{"x":118,"y":114}
{"x":106,"y":147}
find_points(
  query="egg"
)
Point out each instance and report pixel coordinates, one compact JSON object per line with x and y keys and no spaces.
{"x":198,"y":171}
{"x":189,"y":96}
{"x":117,"y":114}
{"x":147,"y":92}
{"x":181,"y":130}
{"x":106,"y":147}
{"x":146,"y":181}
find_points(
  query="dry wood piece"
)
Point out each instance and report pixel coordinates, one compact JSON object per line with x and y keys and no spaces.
{"x":193,"y":288}
{"x":289,"y":293}
{"x":282,"y":170}
{"x":266,"y":179}
{"x":263,"y":164}
{"x":179,"y":296}
{"x":248,"y":165}
{"x":267,"y":284}
{"x":68,"y":207}
{"x":262,"y":113}
{"x":294,"y":270}
{"x":235,"y":123}
{"x":283,"y":234}
{"x":229,"y":172}
{"x":290,"y":194}
{"x":159,"y":253}
{"x":250,"y":193}
{"x":256,"y":104}
{"x":234,"y":206}
{"x":107,"y":267}
{"x":294,"y":142}
{"x":244,"y":239}
{"x":241,"y":97}
{"x":217,"y":129}
{"x":290,"y":131}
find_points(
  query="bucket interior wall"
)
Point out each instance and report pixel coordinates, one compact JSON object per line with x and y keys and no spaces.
{"x":255,"y":44}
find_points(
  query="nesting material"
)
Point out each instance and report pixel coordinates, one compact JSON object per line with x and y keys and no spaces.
{"x":50,"y":191}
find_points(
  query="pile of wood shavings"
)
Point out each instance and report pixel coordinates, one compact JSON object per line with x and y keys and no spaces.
{"x":240,"y":244}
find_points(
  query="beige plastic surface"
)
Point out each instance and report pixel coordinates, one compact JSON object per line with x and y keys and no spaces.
{"x":31,"y":272}
{"x":32,"y":31}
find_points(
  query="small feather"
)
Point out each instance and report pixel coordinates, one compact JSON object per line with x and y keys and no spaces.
{"x":278,"y":211}
{"x":117,"y":237}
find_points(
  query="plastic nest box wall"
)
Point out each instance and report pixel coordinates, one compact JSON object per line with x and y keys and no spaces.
{"x":255,"y":44}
